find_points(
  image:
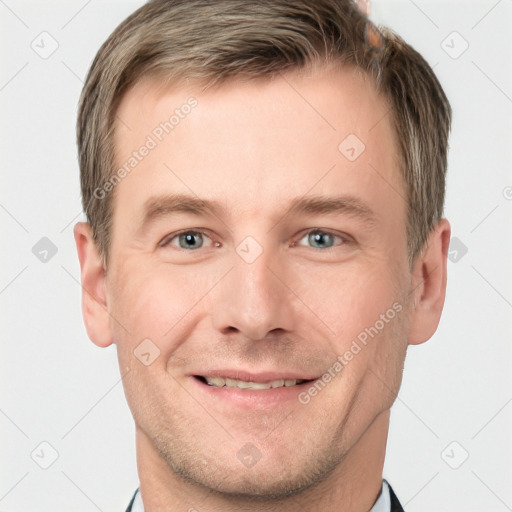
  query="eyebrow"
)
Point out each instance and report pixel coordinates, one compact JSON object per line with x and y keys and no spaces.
{"x":157,"y":207}
{"x":162,"y":206}
{"x":326,"y":205}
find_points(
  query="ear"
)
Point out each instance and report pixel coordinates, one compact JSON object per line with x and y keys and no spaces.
{"x":94,"y":297}
{"x":429,"y":285}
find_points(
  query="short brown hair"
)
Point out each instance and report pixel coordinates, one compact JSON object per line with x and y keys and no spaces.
{"x":210,"y":41}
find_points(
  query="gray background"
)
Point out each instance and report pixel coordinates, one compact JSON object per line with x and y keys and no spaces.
{"x":450,"y":443}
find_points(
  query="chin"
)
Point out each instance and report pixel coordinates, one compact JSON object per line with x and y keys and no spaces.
{"x":271,"y":479}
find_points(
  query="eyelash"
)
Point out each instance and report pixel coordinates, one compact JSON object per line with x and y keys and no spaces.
{"x":167,"y":240}
{"x":344,"y":238}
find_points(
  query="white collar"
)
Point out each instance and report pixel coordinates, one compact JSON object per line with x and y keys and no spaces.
{"x":138,"y":506}
{"x":383,"y":503}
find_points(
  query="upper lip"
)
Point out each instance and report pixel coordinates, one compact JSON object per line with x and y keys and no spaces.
{"x":264,"y":376}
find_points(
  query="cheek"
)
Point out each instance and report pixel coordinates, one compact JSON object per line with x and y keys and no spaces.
{"x":347,"y":299}
{"x":153,"y":303}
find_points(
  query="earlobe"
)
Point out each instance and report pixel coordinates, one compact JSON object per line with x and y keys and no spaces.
{"x":428,"y":285}
{"x":94,"y":298}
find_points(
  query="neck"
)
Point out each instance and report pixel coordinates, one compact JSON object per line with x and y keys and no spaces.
{"x":353,"y":485}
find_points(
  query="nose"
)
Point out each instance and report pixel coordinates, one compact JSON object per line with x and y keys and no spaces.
{"x":254,"y":298}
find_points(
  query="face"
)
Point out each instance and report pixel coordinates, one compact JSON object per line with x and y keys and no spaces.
{"x":258,"y":275}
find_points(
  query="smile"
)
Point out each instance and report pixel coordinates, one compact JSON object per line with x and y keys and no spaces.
{"x":221,"y":382}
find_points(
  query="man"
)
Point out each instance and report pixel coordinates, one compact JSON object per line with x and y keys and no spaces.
{"x":264,"y":188}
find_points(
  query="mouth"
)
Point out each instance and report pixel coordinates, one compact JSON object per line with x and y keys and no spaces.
{"x":233,"y":390}
{"x":226,"y":382}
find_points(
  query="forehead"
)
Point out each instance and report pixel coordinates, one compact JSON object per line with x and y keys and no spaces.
{"x":259,"y":143}
{"x":333,"y":95}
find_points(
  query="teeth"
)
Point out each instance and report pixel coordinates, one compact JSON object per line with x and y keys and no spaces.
{"x":277,"y":383}
{"x":220,"y":382}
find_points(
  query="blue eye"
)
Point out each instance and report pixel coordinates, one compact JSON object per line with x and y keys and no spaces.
{"x":321,"y":239}
{"x":191,"y":240}
{"x":188,"y":240}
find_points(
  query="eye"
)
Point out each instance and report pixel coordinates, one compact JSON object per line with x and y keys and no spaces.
{"x":320,"y":239}
{"x":188,"y":240}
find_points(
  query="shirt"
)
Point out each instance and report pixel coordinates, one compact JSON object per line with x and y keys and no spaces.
{"x":383,"y":503}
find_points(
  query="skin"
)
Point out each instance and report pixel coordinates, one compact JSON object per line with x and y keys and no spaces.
{"x":254,"y":146}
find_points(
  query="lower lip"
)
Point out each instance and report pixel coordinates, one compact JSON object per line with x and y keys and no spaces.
{"x":252,"y":398}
